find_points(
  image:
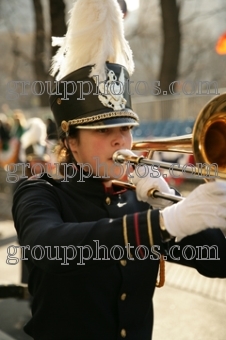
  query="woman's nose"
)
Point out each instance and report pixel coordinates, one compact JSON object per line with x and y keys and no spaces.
{"x":118,"y":139}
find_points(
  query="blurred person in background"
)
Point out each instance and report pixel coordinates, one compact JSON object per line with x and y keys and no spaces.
{"x":51,"y":140}
{"x":19,"y":124}
{"x":33,"y":139}
{"x":4,"y":133}
{"x":9,"y":145}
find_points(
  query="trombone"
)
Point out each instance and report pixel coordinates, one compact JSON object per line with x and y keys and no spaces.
{"x":207,"y":143}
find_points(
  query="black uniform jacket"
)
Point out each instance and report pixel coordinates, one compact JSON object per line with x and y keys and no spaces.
{"x":85,"y":285}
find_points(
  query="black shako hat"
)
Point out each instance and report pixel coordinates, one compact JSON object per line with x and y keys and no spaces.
{"x":93,"y":66}
{"x":86,"y":102}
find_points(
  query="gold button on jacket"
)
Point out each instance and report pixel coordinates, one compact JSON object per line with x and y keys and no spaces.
{"x":123,"y":333}
{"x":123,"y":296}
{"x":108,"y":200}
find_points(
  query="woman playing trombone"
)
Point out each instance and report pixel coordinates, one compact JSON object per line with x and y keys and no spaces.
{"x":87,"y":240}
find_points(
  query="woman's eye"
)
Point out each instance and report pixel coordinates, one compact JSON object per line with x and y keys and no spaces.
{"x":102,"y":130}
{"x":126,"y":128}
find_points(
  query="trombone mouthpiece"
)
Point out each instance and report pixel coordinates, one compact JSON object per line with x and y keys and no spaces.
{"x":125,"y":155}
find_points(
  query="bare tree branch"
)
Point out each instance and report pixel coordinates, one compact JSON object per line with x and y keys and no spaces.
{"x":200,"y":15}
{"x":39,"y":47}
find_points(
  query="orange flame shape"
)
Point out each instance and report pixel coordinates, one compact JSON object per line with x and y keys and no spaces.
{"x":221,"y":44}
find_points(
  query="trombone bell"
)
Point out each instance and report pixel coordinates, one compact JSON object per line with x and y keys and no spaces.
{"x":207,"y":142}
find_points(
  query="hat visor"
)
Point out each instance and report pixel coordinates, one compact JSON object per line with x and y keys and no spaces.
{"x":109,"y":123}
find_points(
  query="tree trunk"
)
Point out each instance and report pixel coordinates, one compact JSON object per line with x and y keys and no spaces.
{"x":171,"y":45}
{"x":57,"y":16}
{"x":38,"y":60}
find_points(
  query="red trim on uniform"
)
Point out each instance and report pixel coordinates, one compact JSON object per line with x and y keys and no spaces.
{"x":113,"y":190}
{"x":137,"y":234}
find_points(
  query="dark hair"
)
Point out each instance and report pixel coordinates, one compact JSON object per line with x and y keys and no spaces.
{"x":64,"y":154}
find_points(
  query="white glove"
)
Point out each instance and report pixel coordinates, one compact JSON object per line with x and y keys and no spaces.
{"x":203,"y":208}
{"x":146,"y":178}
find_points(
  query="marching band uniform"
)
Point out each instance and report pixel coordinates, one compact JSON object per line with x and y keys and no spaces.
{"x":100,"y":299}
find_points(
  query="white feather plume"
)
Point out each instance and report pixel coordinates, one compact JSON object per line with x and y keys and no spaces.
{"x":95,"y":35}
{"x":57,"y":41}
